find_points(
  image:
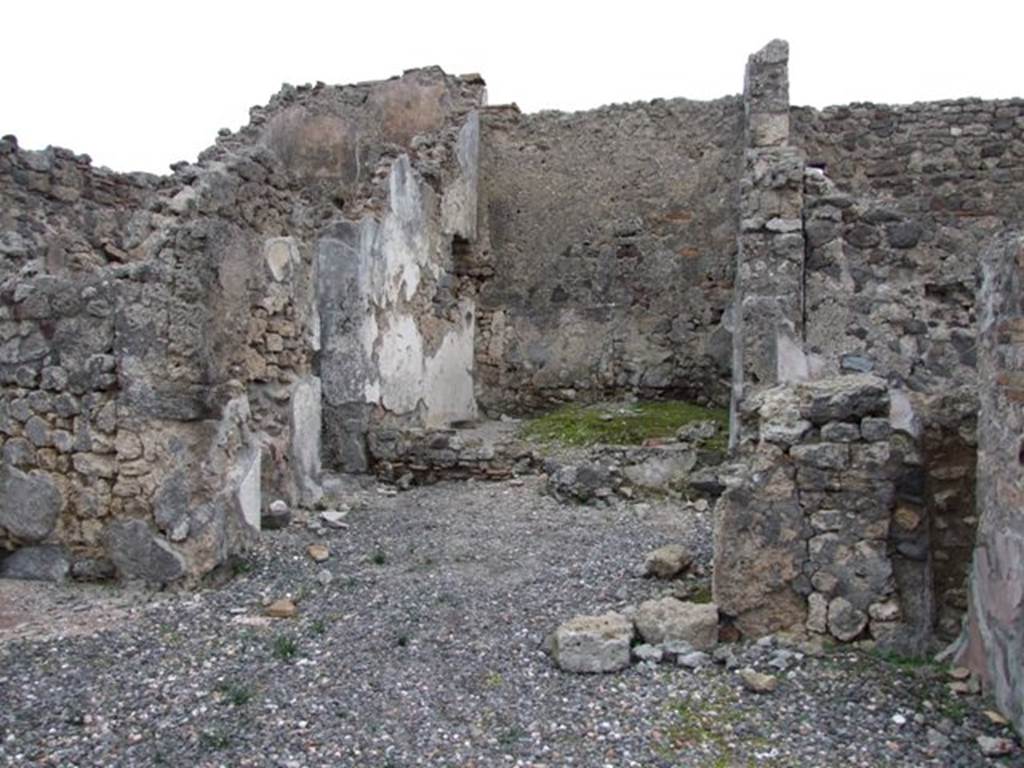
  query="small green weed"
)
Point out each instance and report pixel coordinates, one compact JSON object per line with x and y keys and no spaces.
{"x":236,"y":694}
{"x":511,"y":735}
{"x":904,"y":663}
{"x":215,"y":739}
{"x":379,"y":557}
{"x":285,"y":648}
{"x":494,"y":680}
{"x":702,"y":594}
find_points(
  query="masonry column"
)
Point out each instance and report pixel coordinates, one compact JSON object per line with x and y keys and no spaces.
{"x":993,"y":640}
{"x":767,"y":344}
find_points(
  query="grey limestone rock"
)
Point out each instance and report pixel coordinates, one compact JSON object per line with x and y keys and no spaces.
{"x":277,"y":516}
{"x":29,"y":504}
{"x":670,"y":619}
{"x":581,"y":483}
{"x":46,"y":562}
{"x":844,"y":621}
{"x":646,"y":652}
{"x":758,"y":682}
{"x":593,"y":643}
{"x":137,"y":552}
{"x":667,"y":562}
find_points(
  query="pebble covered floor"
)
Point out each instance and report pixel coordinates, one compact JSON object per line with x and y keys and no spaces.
{"x":419,"y":641}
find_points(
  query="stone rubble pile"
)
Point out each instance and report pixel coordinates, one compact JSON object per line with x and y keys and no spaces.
{"x":686,"y":465}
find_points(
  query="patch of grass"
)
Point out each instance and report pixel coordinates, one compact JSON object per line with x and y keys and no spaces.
{"x":285,"y":648}
{"x":701,"y":594}
{"x":215,"y":739}
{"x":494,"y":680}
{"x":236,"y":694}
{"x":622,"y":424}
{"x":240,"y":566}
{"x":903,"y":663}
{"x":705,"y":729}
{"x":379,"y":557}
{"x":318,"y":627}
{"x":953,"y":708}
{"x":511,"y":735}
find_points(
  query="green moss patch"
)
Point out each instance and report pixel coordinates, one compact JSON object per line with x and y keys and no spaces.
{"x":622,"y":424}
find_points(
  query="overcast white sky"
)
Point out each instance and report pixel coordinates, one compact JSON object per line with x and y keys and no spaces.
{"x":138,"y":85}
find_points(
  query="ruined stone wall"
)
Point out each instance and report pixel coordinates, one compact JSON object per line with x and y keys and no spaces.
{"x":903,"y":200}
{"x":898,"y":201}
{"x":994,"y":633}
{"x":169,"y":343}
{"x":875,"y":272}
{"x":606,"y":253}
{"x":770,"y":257}
{"x":146,"y":327}
{"x":389,"y":171}
{"x":814,"y":535}
{"x":67,"y":232}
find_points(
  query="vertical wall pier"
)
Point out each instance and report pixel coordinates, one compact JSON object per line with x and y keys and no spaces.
{"x":767,"y":345}
{"x":993,"y":641}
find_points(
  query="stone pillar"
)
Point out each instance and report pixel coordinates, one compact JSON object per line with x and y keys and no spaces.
{"x":802,"y":534}
{"x":768,"y":342}
{"x":993,"y":641}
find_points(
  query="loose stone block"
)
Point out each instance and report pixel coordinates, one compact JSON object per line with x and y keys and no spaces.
{"x":670,"y":619}
{"x":138,"y":553}
{"x":667,"y":562}
{"x":37,"y":563}
{"x":593,"y":643}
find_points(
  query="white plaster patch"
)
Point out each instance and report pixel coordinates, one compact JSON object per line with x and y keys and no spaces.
{"x":250,"y":499}
{"x":281,"y":254}
{"x":306,"y":423}
{"x":400,"y":362}
{"x":448,"y":375}
{"x":791,"y":363}
{"x":902,"y":417}
{"x":459,"y":204}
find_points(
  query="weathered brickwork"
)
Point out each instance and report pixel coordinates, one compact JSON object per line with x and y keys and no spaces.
{"x":163,"y":336}
{"x":809,"y":524}
{"x":607,"y":253}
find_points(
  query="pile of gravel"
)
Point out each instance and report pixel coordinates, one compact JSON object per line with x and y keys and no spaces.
{"x":419,"y":641}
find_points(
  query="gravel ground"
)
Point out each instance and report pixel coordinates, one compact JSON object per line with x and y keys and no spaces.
{"x":425,"y":649}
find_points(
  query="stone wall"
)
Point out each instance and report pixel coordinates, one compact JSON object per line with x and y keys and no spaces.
{"x":859,"y":227}
{"x":158,"y":333}
{"x":489,"y":451}
{"x":606,"y":253}
{"x":170,"y":345}
{"x":770,"y":258}
{"x":899,"y":200}
{"x":392,"y":168}
{"x":993,"y":642}
{"x":814,"y":534}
